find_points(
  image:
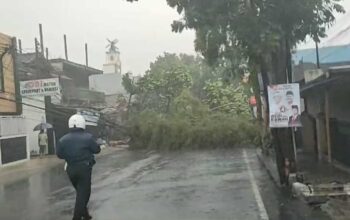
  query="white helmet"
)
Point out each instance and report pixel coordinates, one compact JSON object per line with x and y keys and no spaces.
{"x":77,"y":121}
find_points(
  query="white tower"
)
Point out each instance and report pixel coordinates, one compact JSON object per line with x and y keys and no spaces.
{"x":110,"y":82}
{"x":113,"y":63}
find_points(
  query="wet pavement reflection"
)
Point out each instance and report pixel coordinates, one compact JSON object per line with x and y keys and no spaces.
{"x":197,"y":185}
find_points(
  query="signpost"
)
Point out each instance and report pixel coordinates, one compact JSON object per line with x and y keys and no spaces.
{"x":285,"y":108}
{"x":40,"y":87}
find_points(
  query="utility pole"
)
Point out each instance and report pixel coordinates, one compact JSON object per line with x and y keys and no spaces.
{"x":20,"y":45}
{"x":36,"y":47}
{"x":65,"y":46}
{"x":86,"y":55}
{"x":41,"y":39}
{"x":47,"y":53}
{"x":317,"y":55}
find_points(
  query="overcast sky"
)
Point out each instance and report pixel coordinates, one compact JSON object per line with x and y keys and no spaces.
{"x":142,"y":28}
{"x":334,"y":38}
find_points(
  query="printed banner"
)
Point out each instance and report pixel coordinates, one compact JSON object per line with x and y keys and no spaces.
{"x":91,"y":117}
{"x":40,"y":87}
{"x":284,"y":103}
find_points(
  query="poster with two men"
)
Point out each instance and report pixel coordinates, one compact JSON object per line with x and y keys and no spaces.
{"x":284,"y":103}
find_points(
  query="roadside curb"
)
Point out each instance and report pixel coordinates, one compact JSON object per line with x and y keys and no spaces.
{"x":269,"y":166}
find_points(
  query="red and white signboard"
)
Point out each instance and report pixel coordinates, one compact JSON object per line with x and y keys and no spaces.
{"x":40,"y":87}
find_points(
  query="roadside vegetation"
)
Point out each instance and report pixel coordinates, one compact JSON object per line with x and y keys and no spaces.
{"x":182,"y":103}
{"x":260,"y":34}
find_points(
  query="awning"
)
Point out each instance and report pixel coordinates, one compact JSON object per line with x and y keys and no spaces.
{"x":319,"y":84}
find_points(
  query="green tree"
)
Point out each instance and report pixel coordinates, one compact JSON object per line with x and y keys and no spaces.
{"x":130,"y":87}
{"x":188,"y":106}
{"x":254,"y":28}
{"x":264,"y":31}
{"x":227,"y":98}
{"x":167,"y":77}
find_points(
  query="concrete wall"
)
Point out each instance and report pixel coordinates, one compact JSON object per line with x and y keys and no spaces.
{"x":13,"y":127}
{"x":313,"y":122}
{"x":314,"y":101}
{"x":308,"y":132}
{"x":110,"y":68}
{"x":340,"y":103}
{"x":109,"y":84}
{"x":33,"y":116}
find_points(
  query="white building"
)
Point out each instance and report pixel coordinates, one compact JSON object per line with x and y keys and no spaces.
{"x":110,"y":82}
{"x":13,"y":138}
{"x":112,"y":63}
{"x":33,"y":114}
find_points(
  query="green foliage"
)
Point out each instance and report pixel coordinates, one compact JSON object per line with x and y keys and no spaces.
{"x":227,"y":98}
{"x":253,"y":29}
{"x":150,"y":130}
{"x":189,"y":107}
{"x":129,"y":85}
{"x":173,"y":115}
{"x":158,"y":89}
{"x":167,"y":77}
{"x":170,"y":74}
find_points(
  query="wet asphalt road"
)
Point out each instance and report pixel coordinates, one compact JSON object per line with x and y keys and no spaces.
{"x":197,"y":185}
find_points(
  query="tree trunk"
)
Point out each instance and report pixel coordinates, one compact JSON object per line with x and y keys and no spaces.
{"x":266,"y":82}
{"x":256,"y":89}
{"x":281,"y":73}
{"x":129,"y":102}
{"x":168,"y":105}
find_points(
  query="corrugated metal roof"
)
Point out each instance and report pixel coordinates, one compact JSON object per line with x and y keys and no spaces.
{"x":335,"y":54}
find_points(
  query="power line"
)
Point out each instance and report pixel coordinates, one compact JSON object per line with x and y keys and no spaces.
{"x":56,"y":111}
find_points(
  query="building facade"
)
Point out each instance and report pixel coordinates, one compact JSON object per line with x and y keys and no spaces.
{"x":110,"y":82}
{"x":13,"y":138}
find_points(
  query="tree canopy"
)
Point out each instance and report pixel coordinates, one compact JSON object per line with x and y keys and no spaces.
{"x":253,"y":28}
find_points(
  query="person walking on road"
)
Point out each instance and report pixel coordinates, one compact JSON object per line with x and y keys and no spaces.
{"x":43,"y":142}
{"x":77,"y":148}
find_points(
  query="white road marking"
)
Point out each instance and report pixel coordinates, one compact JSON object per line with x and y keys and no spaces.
{"x":258,"y":198}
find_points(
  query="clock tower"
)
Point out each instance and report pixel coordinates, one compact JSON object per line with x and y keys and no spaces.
{"x":112,"y":63}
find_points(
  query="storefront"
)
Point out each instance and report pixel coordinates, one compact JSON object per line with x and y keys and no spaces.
{"x":327,"y":102}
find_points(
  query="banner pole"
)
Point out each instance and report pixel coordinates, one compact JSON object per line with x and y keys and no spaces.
{"x":295,"y":148}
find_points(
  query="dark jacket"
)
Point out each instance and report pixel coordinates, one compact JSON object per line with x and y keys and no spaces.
{"x":78,"y":146}
{"x":294,"y":122}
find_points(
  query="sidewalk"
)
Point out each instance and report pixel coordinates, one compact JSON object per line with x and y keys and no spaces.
{"x":315,"y":172}
{"x":319,"y":173}
{"x":10,"y":174}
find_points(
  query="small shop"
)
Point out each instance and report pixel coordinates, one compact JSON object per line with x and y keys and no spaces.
{"x":328,"y":105}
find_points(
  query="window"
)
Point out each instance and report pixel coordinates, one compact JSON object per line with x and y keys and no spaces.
{"x":1,"y":79}
{"x":1,"y":75}
{"x":13,"y":149}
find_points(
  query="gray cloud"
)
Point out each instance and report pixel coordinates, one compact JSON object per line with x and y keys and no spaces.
{"x":142,"y":28}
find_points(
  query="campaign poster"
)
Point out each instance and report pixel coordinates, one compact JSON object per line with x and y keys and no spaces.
{"x":284,"y":103}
